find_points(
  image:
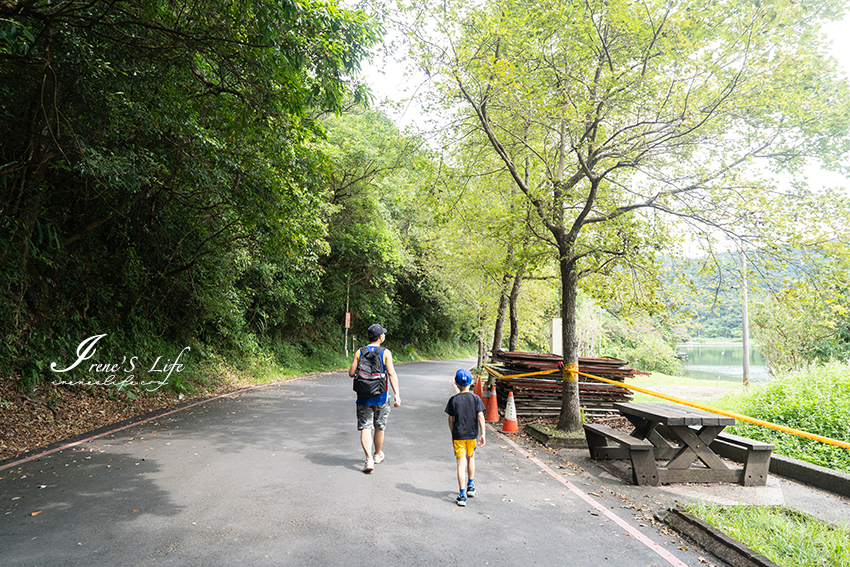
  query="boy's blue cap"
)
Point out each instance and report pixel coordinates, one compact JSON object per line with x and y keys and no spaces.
{"x":463,"y":377}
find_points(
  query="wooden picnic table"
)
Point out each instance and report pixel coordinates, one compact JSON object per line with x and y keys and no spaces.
{"x":681,"y":436}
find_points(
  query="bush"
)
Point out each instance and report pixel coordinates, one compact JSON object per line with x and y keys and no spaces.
{"x":816,"y":401}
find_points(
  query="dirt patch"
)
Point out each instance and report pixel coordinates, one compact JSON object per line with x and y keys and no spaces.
{"x":50,"y":414}
{"x":615,"y":421}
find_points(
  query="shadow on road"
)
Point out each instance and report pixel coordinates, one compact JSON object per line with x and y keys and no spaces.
{"x":331,"y":460}
{"x":438,"y":494}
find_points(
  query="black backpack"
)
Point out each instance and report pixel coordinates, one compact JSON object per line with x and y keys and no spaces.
{"x":370,"y":380}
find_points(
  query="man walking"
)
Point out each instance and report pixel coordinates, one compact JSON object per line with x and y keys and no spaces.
{"x":373,"y":408}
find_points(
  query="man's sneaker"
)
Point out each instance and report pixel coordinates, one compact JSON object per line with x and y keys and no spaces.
{"x":461,"y":500}
{"x":370,"y":465}
{"x":379,"y":457}
{"x":470,"y":490}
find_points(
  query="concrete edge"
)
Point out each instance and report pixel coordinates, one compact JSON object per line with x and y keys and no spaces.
{"x":713,"y":540}
{"x":551,"y":441}
{"x":833,"y":481}
{"x":818,"y":476}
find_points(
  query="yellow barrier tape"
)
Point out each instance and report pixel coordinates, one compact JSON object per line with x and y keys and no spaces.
{"x":497,"y":374}
{"x":733,"y":415}
{"x":571,"y":372}
{"x":492,"y":371}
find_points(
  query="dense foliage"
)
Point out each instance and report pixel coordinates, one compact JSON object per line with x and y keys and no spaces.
{"x":164,"y":180}
{"x":808,"y":321}
{"x":378,"y":229}
{"x":816,"y":401}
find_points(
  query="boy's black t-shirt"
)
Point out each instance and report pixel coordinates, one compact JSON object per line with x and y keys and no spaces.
{"x":464,"y":407}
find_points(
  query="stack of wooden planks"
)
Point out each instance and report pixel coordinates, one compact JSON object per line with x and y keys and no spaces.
{"x":540,"y":395}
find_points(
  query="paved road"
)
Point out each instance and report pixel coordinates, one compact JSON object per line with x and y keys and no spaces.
{"x":272,"y":476}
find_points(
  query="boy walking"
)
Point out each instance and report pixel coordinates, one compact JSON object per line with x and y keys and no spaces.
{"x":466,"y":420}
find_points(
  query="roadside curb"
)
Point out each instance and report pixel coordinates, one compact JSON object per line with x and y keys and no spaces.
{"x":82,"y":437}
{"x":713,"y":540}
{"x":821,"y":477}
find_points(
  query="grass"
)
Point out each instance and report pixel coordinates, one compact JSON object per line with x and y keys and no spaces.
{"x":786,"y":537}
{"x":816,"y":400}
{"x":693,"y":389}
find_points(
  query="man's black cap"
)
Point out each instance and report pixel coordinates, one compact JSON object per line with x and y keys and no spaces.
{"x":375,"y":331}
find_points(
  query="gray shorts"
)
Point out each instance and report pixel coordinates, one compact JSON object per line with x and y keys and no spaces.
{"x":370,"y":417}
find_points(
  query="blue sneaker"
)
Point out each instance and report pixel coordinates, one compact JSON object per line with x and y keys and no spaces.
{"x":470,"y":490}
{"x":461,"y":500}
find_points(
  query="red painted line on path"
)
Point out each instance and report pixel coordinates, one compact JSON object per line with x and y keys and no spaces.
{"x":634,"y":532}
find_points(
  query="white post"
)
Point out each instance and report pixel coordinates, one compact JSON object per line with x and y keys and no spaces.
{"x":556,"y":341}
{"x":745,"y":323}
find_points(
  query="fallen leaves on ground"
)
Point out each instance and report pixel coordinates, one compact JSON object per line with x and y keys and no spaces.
{"x":27,"y":422}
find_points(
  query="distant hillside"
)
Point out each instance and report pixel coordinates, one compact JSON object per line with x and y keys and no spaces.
{"x":709,"y":289}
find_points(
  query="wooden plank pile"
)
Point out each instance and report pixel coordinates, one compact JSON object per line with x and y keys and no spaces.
{"x":541,"y":395}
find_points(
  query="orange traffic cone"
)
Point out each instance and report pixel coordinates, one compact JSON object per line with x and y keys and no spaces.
{"x":510,"y":425}
{"x":492,"y":413}
{"x":477,"y":390}
{"x":485,"y":397}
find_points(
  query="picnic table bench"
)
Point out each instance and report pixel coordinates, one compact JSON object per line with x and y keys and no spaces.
{"x":681,"y":436}
{"x":639,"y":451}
{"x":754,"y":454}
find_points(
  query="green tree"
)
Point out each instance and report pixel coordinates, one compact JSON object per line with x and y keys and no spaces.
{"x":151,"y":151}
{"x":627,"y":112}
{"x":808,"y":320}
{"x":376,"y":262}
{"x":476,"y":233}
{"x":647,"y":343}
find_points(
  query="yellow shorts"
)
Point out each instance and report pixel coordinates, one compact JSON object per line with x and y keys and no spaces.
{"x":464,"y":447}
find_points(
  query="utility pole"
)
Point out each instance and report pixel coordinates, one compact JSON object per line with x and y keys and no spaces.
{"x":347,"y":315}
{"x":745,"y":323}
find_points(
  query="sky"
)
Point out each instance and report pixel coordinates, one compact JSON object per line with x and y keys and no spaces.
{"x":838,"y":33}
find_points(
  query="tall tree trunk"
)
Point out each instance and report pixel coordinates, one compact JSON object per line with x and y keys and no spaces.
{"x":570,"y":417}
{"x":480,"y":363}
{"x":500,"y":314}
{"x":514,"y":315}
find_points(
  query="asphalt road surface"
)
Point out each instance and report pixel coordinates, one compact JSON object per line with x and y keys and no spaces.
{"x":272,"y":476}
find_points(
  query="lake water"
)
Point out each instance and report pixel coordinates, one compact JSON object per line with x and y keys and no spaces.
{"x":722,"y":362}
